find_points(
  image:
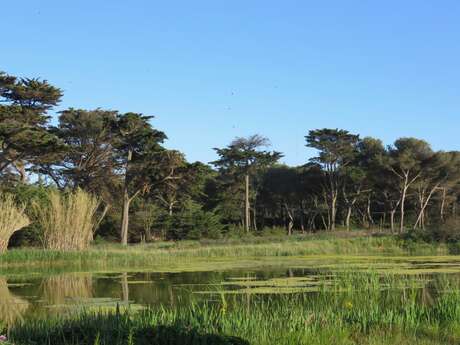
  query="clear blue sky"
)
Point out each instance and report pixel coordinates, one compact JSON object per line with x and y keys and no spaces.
{"x":213,"y":70}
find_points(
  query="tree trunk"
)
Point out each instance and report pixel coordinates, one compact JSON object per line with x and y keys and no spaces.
{"x":392,"y":220}
{"x":254,"y":212}
{"x":302,"y":221}
{"x":347,"y":219}
{"x":424,"y":203}
{"x":328,"y":205}
{"x":403,"y":202}
{"x":101,"y":218}
{"x":126,"y":202}
{"x":125,"y":219}
{"x":290,"y":224}
{"x":333,"y":211}
{"x":326,"y":226}
{"x":125,"y":288}
{"x":369,"y":211}
{"x":247,"y":216}
{"x":443,"y":204}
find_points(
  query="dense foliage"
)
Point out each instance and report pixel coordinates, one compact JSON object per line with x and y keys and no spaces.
{"x":148,"y":192}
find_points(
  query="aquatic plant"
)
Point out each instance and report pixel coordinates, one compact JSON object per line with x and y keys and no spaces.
{"x":352,"y":308}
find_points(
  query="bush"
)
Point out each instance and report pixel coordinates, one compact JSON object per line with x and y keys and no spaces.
{"x":12,"y":219}
{"x":194,"y":223}
{"x":448,"y":232}
{"x":273,"y":232}
{"x":67,"y":220}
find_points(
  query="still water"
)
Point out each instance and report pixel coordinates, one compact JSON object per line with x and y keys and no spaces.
{"x":41,"y":294}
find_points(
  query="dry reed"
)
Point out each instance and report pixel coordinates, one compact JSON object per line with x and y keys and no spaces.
{"x":12,"y":219}
{"x":68,"y":221}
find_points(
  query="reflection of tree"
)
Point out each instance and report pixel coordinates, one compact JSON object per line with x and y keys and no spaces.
{"x":56,"y":290}
{"x":12,"y":308}
{"x":125,"y":287}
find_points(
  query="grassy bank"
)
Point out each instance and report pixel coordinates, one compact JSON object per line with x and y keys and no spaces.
{"x":363,"y":308}
{"x":171,"y":255}
{"x":324,"y":244}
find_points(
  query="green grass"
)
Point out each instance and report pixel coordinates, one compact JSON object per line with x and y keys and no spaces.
{"x":209,"y":255}
{"x":248,"y":247}
{"x":357,"y":308}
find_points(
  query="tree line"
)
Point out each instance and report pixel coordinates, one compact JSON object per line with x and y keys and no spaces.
{"x":148,"y":192}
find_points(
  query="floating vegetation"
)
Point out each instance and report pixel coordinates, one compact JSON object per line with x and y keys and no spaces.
{"x":66,"y":289}
{"x":140,"y":282}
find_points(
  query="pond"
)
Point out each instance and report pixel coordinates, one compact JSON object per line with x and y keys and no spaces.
{"x":41,"y":293}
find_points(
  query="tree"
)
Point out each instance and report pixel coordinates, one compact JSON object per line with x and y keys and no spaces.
{"x":450,"y":187}
{"x":406,"y":158}
{"x":312,"y":202}
{"x":142,"y":161}
{"x":200,"y":184}
{"x":352,"y":189}
{"x":282,"y":186}
{"x":174,"y":190}
{"x":244,"y":158}
{"x":337,"y":149}
{"x":360,"y":181}
{"x":88,"y":160}
{"x":192,"y":222}
{"x":23,"y":119}
{"x":386,"y":187}
{"x":441,"y":169}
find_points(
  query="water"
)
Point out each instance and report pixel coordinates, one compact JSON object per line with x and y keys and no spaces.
{"x":43,"y":294}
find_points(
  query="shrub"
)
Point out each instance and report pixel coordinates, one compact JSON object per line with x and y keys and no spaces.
{"x":12,"y":218}
{"x":68,"y":220}
{"x":194,"y":223}
{"x":449,"y":231}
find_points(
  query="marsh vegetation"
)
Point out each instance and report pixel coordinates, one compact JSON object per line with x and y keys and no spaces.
{"x":374,"y":290}
{"x":323,"y":308}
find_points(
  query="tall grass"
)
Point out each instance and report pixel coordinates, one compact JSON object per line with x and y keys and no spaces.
{"x":68,"y":220}
{"x":12,"y":219}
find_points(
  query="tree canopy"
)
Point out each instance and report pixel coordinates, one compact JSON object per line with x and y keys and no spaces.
{"x":148,"y":192}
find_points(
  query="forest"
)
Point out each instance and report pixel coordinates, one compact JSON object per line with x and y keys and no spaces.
{"x":137,"y":190}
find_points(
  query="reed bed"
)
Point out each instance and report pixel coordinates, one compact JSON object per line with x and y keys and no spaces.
{"x":67,"y":221}
{"x":12,"y":219}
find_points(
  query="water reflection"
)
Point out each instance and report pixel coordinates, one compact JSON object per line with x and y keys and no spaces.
{"x":67,"y":293}
{"x":12,"y":308}
{"x":69,"y":288}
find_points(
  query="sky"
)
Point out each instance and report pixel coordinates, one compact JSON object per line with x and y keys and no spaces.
{"x":210,"y":71}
